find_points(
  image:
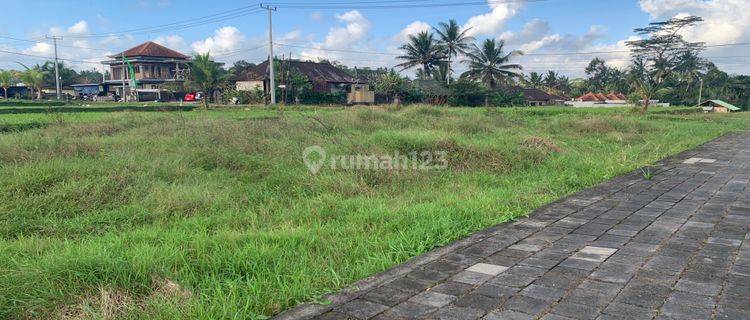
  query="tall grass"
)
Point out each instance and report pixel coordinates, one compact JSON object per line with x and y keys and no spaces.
{"x":214,"y":215}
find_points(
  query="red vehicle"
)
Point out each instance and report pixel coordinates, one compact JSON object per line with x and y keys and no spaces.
{"x":193,"y":96}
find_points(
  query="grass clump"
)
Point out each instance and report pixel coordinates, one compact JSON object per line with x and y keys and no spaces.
{"x":213,"y":214}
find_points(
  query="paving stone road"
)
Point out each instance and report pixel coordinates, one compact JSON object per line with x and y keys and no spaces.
{"x":672,"y":247}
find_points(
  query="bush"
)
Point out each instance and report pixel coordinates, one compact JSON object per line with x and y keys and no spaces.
{"x":244,"y":97}
{"x":466,"y":93}
{"x":322,"y":98}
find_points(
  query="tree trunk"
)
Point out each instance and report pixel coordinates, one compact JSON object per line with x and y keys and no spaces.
{"x":645,"y":103}
{"x":39,"y":93}
{"x":5,"y":91}
{"x":448,"y":77}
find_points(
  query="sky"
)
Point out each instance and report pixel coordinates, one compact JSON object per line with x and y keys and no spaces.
{"x":554,"y":34}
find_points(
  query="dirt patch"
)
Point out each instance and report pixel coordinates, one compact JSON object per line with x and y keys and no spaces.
{"x":541,"y":144}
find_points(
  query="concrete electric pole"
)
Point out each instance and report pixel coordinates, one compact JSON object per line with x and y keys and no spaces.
{"x":58,"y":88}
{"x":271,"y":81}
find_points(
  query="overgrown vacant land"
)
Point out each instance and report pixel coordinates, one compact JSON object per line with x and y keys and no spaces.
{"x":214,"y":215}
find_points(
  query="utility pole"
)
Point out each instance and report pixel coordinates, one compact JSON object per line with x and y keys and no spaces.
{"x":271,"y":82}
{"x":58,"y":88}
{"x":700,"y":92}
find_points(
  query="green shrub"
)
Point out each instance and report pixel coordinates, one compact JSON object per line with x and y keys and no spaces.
{"x":322,"y":98}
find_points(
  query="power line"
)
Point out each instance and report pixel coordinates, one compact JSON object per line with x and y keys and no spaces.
{"x":380,"y":5}
{"x":179,"y":25}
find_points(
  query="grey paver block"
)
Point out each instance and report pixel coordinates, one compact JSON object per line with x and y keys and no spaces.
{"x":361,"y":309}
{"x":386,"y":295}
{"x":576,"y":311}
{"x":471,"y":277}
{"x":486,"y":268}
{"x":614,"y":272}
{"x":595,"y":254}
{"x":495,"y":291}
{"x":681,"y":311}
{"x":704,"y":288}
{"x":525,"y":247}
{"x":453,"y":288}
{"x":432,"y":298}
{"x":509,"y":315}
{"x":478,"y":301}
{"x":543,"y":293}
{"x":411,"y":310}
{"x":512,"y":280}
{"x":457,"y":313}
{"x":629,"y":311}
{"x":526,"y":304}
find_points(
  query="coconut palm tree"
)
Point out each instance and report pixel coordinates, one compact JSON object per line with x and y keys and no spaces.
{"x":422,"y":50}
{"x":206,"y":74}
{"x":34,"y":79}
{"x":6,"y":80}
{"x":454,"y":41}
{"x":489,"y":64}
{"x":535,"y":80}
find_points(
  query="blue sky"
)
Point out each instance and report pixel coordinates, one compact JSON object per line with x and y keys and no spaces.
{"x":539,"y":26}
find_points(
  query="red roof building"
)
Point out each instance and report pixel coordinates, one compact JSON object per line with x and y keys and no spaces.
{"x":588,"y":97}
{"x":152,"y":66}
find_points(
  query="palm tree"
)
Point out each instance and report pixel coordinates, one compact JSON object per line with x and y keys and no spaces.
{"x":34,"y":78}
{"x":535,"y":80}
{"x":454,"y":41}
{"x":206,"y":74}
{"x":489,"y":64}
{"x":551,"y":80}
{"x":6,"y":80}
{"x":422,"y":50}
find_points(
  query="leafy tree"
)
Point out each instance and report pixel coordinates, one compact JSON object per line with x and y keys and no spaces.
{"x":454,"y":41}
{"x":6,"y":80}
{"x":89,"y":76}
{"x":422,"y":50}
{"x":390,"y":84}
{"x":597,"y":72}
{"x":550,"y":80}
{"x":489,"y":64}
{"x":67,"y":75}
{"x":659,"y":52}
{"x":207,"y":75}
{"x":535,"y":80}
{"x":34,"y":78}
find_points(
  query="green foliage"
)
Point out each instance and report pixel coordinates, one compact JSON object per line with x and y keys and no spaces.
{"x":467,"y":93}
{"x":207,"y":75}
{"x":424,"y":51}
{"x":490,"y":64}
{"x":390,"y":84}
{"x":310,"y":97}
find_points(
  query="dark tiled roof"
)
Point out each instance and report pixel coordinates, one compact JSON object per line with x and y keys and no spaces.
{"x":151,"y":49}
{"x":315,"y":72}
{"x":534,"y":94}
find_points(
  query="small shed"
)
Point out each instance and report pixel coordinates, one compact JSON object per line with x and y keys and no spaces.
{"x":718,"y":106}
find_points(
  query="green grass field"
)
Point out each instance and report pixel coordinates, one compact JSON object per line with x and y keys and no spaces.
{"x":212,"y":214}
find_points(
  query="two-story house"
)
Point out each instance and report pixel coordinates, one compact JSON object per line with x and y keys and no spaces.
{"x":153,"y":64}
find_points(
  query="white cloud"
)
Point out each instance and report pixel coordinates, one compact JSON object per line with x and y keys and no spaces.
{"x":411,"y":29}
{"x":491,"y":23}
{"x":356,"y":28}
{"x":173,"y":42}
{"x":79,"y":27}
{"x":40,"y":48}
{"x":224,"y":39}
{"x":351,"y":35}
